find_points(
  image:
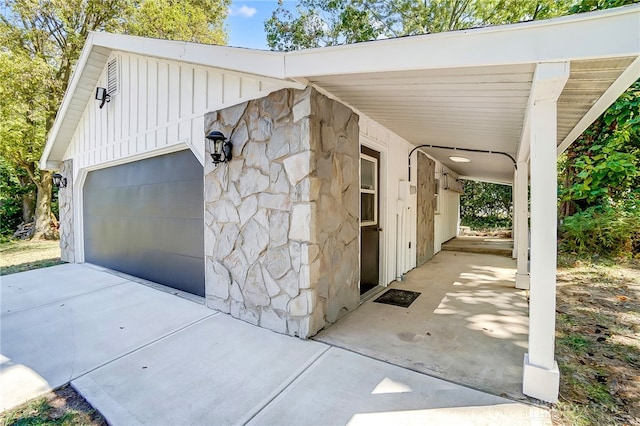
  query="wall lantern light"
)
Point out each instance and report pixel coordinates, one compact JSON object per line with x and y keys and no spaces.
{"x":102,"y":96}
{"x":59,"y":181}
{"x":219,"y":147}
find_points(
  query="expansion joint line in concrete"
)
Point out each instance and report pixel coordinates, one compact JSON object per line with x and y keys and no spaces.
{"x":53,"y":302}
{"x":296,"y":375}
{"x":171,"y":333}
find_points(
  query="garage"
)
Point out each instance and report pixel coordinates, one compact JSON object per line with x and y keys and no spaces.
{"x":145,"y":218}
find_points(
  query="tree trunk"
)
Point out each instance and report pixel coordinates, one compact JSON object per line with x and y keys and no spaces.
{"x":45,"y":228}
{"x":28,"y":199}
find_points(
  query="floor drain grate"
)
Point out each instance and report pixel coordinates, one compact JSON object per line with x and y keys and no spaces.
{"x":402,"y":298}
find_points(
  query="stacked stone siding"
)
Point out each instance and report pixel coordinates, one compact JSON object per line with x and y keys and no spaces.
{"x":65,"y":205}
{"x":426,"y":209}
{"x":281,"y":219}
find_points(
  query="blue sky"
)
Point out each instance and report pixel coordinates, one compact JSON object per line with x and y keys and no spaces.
{"x":246,"y":22}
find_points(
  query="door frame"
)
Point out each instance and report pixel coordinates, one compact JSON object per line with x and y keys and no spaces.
{"x":382,"y":212}
{"x":80,"y":176}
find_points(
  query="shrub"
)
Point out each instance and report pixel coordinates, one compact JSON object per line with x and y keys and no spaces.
{"x":607,"y":230}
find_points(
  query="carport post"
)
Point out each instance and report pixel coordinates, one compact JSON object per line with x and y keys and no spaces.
{"x":514,"y":223}
{"x":521,"y":214}
{"x":541,"y":377}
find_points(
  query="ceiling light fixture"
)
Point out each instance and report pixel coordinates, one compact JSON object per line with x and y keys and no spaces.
{"x":456,"y":159}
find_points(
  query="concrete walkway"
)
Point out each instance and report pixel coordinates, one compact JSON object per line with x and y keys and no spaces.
{"x":481,"y":245}
{"x":469,"y":325}
{"x":142,"y":356}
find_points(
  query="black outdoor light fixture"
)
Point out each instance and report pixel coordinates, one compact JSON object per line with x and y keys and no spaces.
{"x":219,"y":147}
{"x":59,"y":181}
{"x":102,"y":96}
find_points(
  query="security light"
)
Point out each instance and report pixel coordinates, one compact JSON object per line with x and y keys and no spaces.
{"x":102,"y":96}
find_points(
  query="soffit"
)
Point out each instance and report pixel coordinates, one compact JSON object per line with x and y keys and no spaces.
{"x":588,"y":80}
{"x":474,"y":108}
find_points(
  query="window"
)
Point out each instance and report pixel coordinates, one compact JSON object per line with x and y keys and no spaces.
{"x":368,"y":191}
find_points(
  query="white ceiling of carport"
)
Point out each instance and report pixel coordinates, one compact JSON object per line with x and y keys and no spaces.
{"x":475,"y":107}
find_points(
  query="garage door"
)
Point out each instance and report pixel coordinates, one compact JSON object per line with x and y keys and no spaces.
{"x":146,"y":219}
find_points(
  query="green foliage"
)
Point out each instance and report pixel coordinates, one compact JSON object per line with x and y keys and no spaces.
{"x":10,"y":199}
{"x":199,"y":21}
{"x":317,"y":23}
{"x":41,"y":42}
{"x":486,"y":205}
{"x":591,"y":5}
{"x":603,"y":164}
{"x":606,"y":229}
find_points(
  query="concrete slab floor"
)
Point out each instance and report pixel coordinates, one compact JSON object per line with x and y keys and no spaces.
{"x":346,"y":388}
{"x":41,"y":286}
{"x":469,"y":325}
{"x":220,"y":371}
{"x":45,"y":343}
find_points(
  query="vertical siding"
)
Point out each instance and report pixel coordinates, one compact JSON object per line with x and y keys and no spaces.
{"x":399,"y":206}
{"x":159,"y":104}
{"x":395,"y":215}
{"x":447,"y":222}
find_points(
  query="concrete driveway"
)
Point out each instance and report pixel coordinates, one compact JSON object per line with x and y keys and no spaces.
{"x":143,"y":356}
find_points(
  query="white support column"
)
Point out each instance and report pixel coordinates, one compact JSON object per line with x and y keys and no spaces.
{"x":522,"y":221}
{"x":541,"y":377}
{"x":514,"y":224}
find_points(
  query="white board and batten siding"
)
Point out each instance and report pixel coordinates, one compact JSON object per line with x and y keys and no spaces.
{"x":158,"y":105}
{"x":447,"y":219}
{"x":398,"y":206}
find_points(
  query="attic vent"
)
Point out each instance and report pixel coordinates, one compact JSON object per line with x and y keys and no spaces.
{"x":112,"y":77}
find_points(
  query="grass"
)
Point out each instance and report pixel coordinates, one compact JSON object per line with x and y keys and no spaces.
{"x":20,"y":255}
{"x":598,"y":342}
{"x":63,"y":407}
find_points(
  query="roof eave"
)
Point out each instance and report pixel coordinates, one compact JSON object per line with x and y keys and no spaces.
{"x":596,"y":34}
{"x":264,"y":64}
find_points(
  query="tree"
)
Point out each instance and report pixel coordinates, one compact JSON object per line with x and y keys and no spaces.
{"x":602,"y":167}
{"x":486,"y":205}
{"x":603,"y":164}
{"x":41,"y":41}
{"x":317,"y":23}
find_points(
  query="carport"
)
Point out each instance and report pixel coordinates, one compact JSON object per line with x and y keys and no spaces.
{"x":508,"y":100}
{"x":469,"y":324}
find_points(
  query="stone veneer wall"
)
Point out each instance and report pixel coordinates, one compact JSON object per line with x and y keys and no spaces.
{"x":426,"y":209}
{"x":65,"y":205}
{"x":282,"y":218}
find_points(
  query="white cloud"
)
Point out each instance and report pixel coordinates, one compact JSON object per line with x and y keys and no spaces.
{"x":243,"y":11}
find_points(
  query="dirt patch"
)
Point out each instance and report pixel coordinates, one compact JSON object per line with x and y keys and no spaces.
{"x":598,"y":344}
{"x":20,"y":256}
{"x":63,"y":406}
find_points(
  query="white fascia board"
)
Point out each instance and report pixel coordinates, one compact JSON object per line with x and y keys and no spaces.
{"x":626,"y":79}
{"x":264,"y":65}
{"x":255,"y":62}
{"x":603,"y":34}
{"x":45,"y":164}
{"x":475,"y":179}
{"x":548,"y":82}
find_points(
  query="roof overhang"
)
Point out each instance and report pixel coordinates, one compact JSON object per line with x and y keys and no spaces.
{"x":463,"y":89}
{"x":96,"y":53}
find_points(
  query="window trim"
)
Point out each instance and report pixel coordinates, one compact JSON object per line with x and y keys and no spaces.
{"x":370,"y":191}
